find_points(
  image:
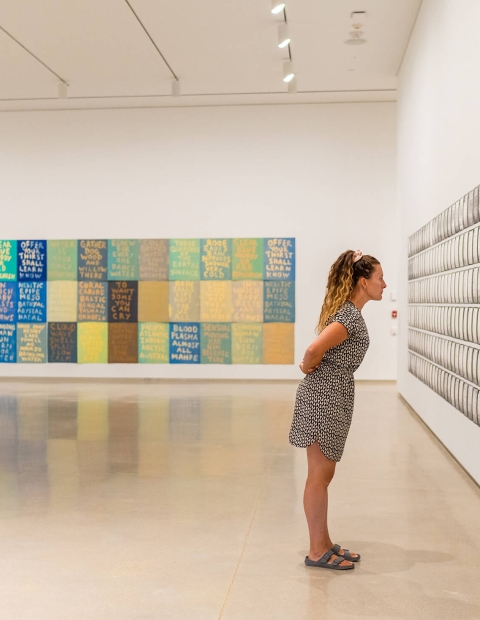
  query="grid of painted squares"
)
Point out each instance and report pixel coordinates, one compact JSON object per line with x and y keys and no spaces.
{"x":191,"y":301}
{"x":444,"y":298}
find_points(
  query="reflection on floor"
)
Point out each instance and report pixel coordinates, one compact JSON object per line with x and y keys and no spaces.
{"x":184,"y":501}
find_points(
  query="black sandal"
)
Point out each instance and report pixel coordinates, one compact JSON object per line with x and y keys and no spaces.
{"x":346,"y":554}
{"x":323,"y":562}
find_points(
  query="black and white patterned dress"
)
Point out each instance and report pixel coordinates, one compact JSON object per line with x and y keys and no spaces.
{"x":325,"y":398}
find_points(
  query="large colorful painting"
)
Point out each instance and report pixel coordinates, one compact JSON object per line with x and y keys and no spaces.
{"x":444,"y":305}
{"x":147,"y":301}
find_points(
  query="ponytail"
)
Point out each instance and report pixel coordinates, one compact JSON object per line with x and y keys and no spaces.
{"x":342,"y":279}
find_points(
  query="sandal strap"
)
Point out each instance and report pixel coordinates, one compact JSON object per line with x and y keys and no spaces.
{"x":338,"y":561}
{"x":326,"y":556}
{"x":335,"y":549}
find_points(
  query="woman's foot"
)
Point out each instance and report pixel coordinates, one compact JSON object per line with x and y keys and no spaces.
{"x":345,"y":553}
{"x":315,"y":557}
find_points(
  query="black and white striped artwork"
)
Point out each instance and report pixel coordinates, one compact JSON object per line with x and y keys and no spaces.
{"x":444,"y":305}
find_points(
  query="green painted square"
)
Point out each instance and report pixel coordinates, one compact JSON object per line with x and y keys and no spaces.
{"x":184,"y":259}
{"x":62,"y":261}
{"x":153,"y":343}
{"x":247,"y":259}
{"x":123,"y":259}
{"x":8,"y":260}
{"x":247,"y":343}
{"x":216,"y":343}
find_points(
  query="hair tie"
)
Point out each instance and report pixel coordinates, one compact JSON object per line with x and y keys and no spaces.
{"x":357,"y":256}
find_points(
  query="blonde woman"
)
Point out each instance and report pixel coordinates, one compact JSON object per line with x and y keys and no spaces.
{"x":325,"y":397}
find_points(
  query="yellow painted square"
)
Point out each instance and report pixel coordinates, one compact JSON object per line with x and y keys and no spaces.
{"x":278,"y":343}
{"x":153,"y":302}
{"x":62,"y":301}
{"x":92,"y":343}
{"x":216,"y":301}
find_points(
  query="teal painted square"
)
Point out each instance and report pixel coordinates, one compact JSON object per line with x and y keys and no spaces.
{"x":184,"y":263}
{"x":8,"y":260}
{"x":278,"y":302}
{"x":123,"y":259}
{"x":216,"y":343}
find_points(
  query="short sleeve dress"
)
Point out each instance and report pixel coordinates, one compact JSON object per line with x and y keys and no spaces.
{"x":324,"y":402}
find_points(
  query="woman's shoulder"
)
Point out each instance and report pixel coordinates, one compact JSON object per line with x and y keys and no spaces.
{"x":348,"y":315}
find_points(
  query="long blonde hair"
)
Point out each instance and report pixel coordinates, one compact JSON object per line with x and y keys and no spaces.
{"x":342,"y":279}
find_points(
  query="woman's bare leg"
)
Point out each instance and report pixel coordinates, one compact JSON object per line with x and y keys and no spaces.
{"x":315,"y":501}
{"x":328,"y":540}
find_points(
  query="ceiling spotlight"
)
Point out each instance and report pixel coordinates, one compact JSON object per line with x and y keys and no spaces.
{"x":292,"y":86}
{"x":175,"y":88}
{"x":277,"y":6}
{"x":62,"y":90}
{"x":283,"y":36}
{"x":288,"y":73}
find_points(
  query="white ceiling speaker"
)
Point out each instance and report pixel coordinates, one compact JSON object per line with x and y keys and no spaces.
{"x":356,"y":38}
{"x":176,"y":88}
{"x":277,"y":6}
{"x":283,"y":35}
{"x":288,"y":73}
{"x":355,"y":42}
{"x":62,"y":90}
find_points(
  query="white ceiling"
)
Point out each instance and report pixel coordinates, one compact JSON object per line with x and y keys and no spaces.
{"x":223,"y":52}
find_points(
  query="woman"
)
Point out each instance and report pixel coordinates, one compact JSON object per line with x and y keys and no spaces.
{"x":324,"y":402}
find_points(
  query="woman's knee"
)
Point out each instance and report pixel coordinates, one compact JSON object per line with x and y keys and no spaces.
{"x":320,"y":476}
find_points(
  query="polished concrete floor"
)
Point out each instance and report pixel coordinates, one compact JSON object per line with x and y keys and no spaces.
{"x":184,"y":501}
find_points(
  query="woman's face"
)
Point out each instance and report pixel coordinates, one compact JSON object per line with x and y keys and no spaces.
{"x":375,"y":284}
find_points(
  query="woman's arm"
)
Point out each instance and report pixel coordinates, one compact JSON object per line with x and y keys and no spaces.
{"x":333,"y":335}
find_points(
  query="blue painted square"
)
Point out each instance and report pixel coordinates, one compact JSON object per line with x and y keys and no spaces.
{"x":92,"y":259}
{"x":32,"y":260}
{"x":8,"y":302}
{"x":8,"y":343}
{"x":278,"y":302}
{"x":32,"y":302}
{"x":184,"y":343}
{"x":279,"y":258}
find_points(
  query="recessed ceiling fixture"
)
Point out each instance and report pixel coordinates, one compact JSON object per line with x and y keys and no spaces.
{"x":288,"y":72}
{"x":277,"y":7}
{"x":283,"y":35}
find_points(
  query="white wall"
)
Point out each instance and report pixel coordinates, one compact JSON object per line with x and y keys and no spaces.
{"x":438,"y":162}
{"x":324,"y":174}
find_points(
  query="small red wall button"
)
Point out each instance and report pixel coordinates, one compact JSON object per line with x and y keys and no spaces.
{"x":394,"y":314}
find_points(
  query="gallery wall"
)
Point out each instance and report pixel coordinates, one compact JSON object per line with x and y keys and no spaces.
{"x":322,"y":174}
{"x":438,"y":164}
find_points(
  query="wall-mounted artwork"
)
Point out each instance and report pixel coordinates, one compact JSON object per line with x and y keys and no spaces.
{"x":147,"y":301}
{"x":444,"y":305}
